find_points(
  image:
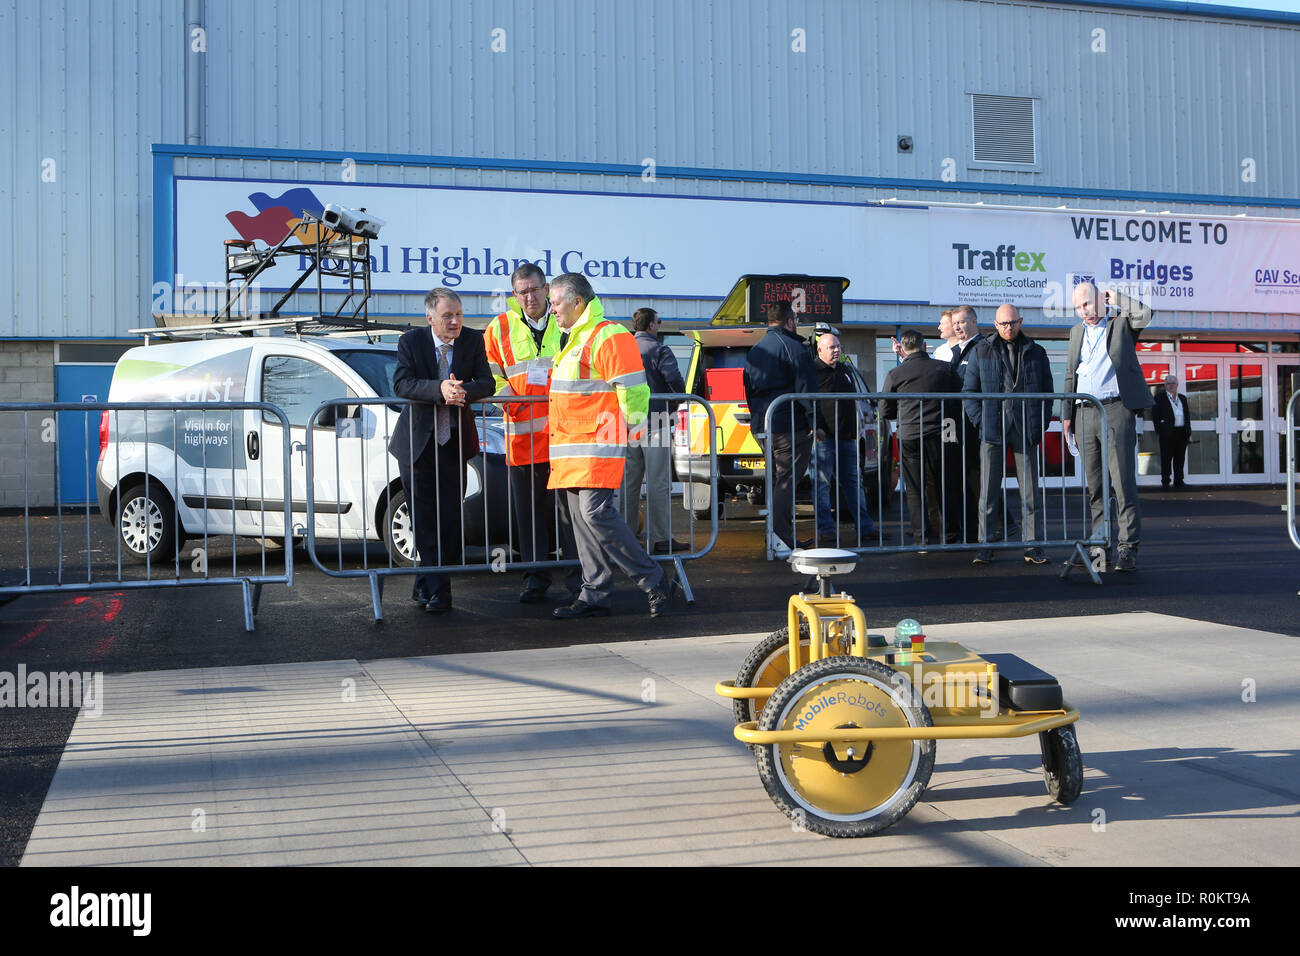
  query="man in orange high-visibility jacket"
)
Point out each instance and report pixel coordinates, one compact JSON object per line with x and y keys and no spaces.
{"x":599,"y":399}
{"x":521,"y":344}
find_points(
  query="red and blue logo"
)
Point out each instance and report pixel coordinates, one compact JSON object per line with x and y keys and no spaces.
{"x":277,"y":217}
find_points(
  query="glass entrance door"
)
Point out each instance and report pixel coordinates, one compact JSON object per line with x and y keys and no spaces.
{"x":1199,"y":381}
{"x":1246,"y":428}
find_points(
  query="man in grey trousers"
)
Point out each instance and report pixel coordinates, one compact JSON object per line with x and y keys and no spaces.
{"x":1102,"y":361}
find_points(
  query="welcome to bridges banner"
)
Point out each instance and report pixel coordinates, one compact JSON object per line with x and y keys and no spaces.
{"x":472,"y":239}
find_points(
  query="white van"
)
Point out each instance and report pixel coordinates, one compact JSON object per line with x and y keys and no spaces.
{"x":221,"y":472}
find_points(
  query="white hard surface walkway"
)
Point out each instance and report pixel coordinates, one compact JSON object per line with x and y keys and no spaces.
{"x":621,"y":754}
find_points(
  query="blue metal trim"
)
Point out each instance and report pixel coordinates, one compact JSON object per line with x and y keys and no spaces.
{"x":543,"y":192}
{"x":1198,"y":10}
{"x":724,"y":175}
{"x":164,"y":261}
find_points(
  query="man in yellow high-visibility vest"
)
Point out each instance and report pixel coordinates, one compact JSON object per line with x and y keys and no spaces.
{"x":521,"y":344}
{"x":599,"y":401}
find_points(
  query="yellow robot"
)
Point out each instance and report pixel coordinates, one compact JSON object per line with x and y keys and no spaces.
{"x":843,"y":723}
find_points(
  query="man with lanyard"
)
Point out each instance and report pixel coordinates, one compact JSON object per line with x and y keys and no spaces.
{"x":599,"y":401}
{"x":1102,"y":361}
{"x":521,"y":344}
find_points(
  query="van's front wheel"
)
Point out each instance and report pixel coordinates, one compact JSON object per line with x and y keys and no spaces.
{"x":399,"y":530}
{"x":147,"y":525}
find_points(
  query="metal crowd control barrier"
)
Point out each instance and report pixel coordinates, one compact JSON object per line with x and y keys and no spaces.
{"x":937,"y":443}
{"x":348,"y":463}
{"x":1292,"y":423}
{"x":174,"y":472}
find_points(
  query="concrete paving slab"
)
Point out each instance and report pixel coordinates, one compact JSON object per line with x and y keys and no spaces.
{"x":282,"y":765}
{"x":620,"y":753}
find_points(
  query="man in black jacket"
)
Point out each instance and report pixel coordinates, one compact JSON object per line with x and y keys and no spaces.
{"x":445,"y":366}
{"x":1009,"y":362}
{"x":1173,"y":421}
{"x":920,"y":435}
{"x":653,"y":458}
{"x":837,"y":460}
{"x":781,"y":364}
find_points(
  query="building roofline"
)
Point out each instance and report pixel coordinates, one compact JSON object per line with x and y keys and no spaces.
{"x":161,"y":150}
{"x":1199,"y":10}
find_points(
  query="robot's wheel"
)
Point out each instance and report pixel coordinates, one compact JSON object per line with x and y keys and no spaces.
{"x":1062,"y":763}
{"x":845,"y":790}
{"x":766,"y":666}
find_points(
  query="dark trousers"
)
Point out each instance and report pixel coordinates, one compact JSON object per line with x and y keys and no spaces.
{"x":1173,"y":451}
{"x":961,"y":474}
{"x":537,"y":515}
{"x":435,"y":488}
{"x":922,"y":471}
{"x":790,"y":457}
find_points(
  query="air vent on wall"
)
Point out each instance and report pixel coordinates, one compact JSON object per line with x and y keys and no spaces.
{"x":1004,"y":129}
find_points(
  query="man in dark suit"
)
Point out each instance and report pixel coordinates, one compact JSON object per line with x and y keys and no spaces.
{"x":1102,"y":361}
{"x":962,"y":470}
{"x":445,"y":367}
{"x":920,"y":435}
{"x":1173,"y":421}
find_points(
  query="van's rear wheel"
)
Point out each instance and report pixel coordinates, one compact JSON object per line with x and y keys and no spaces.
{"x":147,"y":525}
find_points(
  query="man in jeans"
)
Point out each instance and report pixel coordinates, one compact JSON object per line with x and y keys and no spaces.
{"x":836,"y":451}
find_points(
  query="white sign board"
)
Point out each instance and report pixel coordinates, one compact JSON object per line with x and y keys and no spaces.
{"x":1173,"y":263}
{"x":471,"y":240}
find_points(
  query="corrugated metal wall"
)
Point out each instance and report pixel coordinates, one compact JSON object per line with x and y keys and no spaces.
{"x":1175,"y":104}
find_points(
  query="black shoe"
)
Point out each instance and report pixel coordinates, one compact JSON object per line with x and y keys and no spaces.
{"x":1127,"y":560}
{"x":804,"y":544}
{"x":1035,"y":556}
{"x":580,"y":609}
{"x":438,"y":605}
{"x":532,"y":596}
{"x":658,"y":601}
{"x":420,"y":596}
{"x":985,"y":556}
{"x":669,"y":547}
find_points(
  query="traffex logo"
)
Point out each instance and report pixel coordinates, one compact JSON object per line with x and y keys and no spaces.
{"x":1004,"y":258}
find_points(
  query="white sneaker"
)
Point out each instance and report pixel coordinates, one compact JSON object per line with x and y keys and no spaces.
{"x":777,"y":547}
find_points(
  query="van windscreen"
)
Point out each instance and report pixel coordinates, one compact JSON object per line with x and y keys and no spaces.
{"x":375,"y":367}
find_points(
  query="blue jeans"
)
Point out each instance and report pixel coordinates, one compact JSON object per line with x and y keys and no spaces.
{"x":840,"y":459}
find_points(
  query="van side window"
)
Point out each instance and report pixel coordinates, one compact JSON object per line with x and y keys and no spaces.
{"x":298,"y":386}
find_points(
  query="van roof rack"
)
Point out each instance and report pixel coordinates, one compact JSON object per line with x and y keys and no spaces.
{"x":176,"y":328}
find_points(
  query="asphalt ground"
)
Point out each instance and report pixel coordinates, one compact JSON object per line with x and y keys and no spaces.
{"x":1220,"y":556}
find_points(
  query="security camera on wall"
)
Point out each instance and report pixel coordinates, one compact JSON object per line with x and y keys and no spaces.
{"x":354,"y":221}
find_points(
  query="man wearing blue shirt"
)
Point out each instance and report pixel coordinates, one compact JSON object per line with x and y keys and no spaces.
{"x":1102,"y":361}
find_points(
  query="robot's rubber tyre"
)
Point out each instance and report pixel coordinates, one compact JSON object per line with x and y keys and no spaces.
{"x":1062,"y":764}
{"x":821,"y":786}
{"x":766,"y":666}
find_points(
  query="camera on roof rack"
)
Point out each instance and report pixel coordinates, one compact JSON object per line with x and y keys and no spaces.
{"x":356,"y":222}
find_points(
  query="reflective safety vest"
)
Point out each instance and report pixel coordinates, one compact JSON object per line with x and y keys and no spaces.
{"x":512,"y":353}
{"x":598,"y":393}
